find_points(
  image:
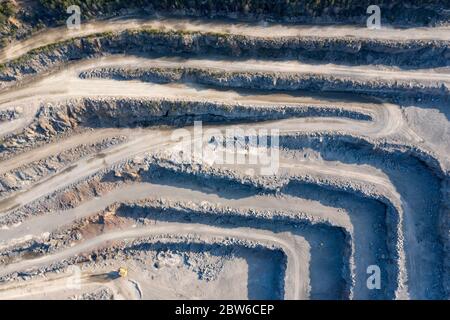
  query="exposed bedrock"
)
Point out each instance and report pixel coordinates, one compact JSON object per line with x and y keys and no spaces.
{"x":25,"y":175}
{"x":281,"y":151}
{"x":371,"y":237}
{"x":329,"y":246}
{"x":266,"y":266}
{"x":53,"y":120}
{"x":412,"y":220}
{"x":390,"y":216}
{"x":423,"y":240}
{"x":368,"y":233}
{"x":375,"y":235}
{"x":445,"y":227}
{"x":190,"y":248}
{"x":98,"y":294}
{"x":420,"y":192}
{"x":393,"y":89}
{"x":401,"y":12}
{"x":236,"y":190}
{"x":9,"y":115}
{"x":56,"y":119}
{"x":346,"y":50}
{"x":328,"y":270}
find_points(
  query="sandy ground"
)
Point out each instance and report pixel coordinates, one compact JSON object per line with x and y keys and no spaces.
{"x":296,"y":285}
{"x":364,"y":72}
{"x":66,"y":84}
{"x":257,"y":30}
{"x":389,"y":120}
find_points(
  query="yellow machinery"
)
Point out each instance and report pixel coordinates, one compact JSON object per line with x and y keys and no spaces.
{"x":123,"y":272}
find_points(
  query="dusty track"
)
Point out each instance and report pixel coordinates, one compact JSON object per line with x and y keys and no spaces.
{"x":61,"y":285}
{"x":62,"y":33}
{"x":387,"y":124}
{"x":296,"y":285}
{"x":66,"y":84}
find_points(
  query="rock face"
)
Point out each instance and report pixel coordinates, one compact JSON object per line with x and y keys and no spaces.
{"x":430,"y":53}
{"x":9,"y":115}
{"x":30,"y":173}
{"x":99,"y":294}
{"x":226,"y":164}
{"x":394,"y":89}
{"x":55,"y":120}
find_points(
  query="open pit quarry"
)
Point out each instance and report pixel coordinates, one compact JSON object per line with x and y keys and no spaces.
{"x":190,"y":157}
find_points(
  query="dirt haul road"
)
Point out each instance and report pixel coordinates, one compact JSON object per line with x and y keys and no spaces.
{"x":387,"y":118}
{"x":373,"y":121}
{"x":257,"y":30}
{"x":296,"y":249}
